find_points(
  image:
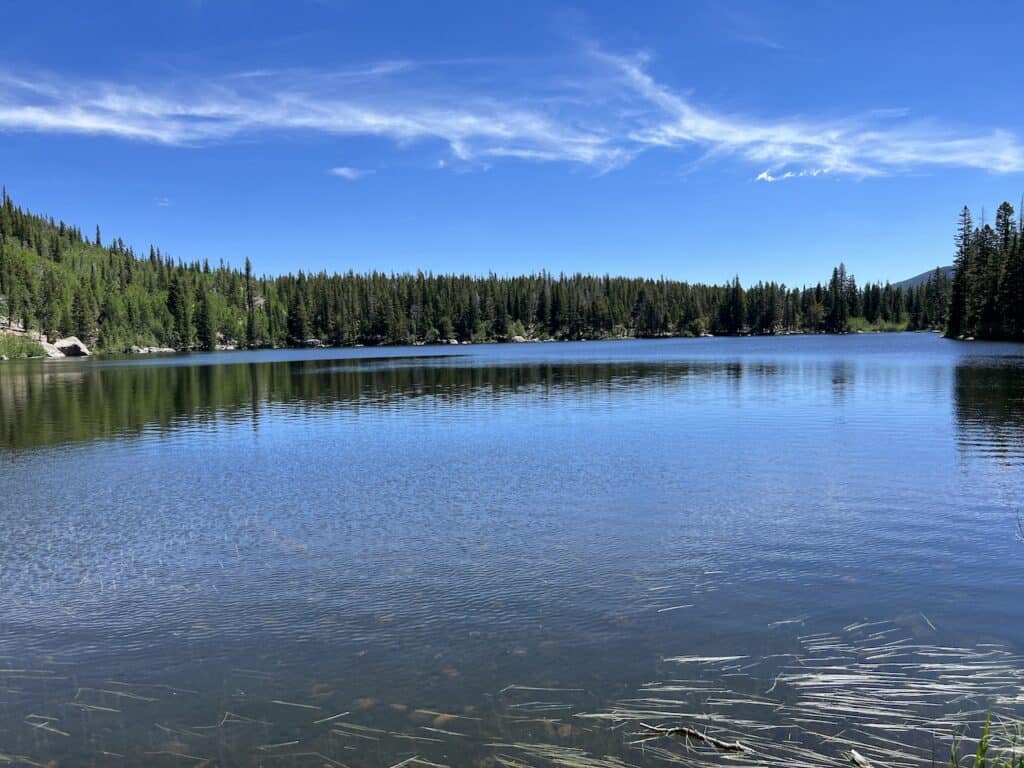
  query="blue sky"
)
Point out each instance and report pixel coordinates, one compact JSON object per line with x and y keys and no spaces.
{"x":692,"y":139}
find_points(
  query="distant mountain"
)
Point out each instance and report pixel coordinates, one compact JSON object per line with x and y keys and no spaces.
{"x":921,"y":279}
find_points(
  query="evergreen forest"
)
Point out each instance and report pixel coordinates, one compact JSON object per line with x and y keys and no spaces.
{"x":59,"y":282}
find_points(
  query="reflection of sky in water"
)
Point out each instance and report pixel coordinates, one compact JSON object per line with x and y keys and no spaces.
{"x":385,"y":535}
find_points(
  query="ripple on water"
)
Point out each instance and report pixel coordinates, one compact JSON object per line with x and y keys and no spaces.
{"x":216,"y":560}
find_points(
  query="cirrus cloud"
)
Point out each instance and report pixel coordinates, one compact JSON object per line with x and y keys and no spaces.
{"x":348,"y":173}
{"x":609,"y":111}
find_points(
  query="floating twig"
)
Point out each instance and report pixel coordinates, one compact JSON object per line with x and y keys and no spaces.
{"x":693,"y":733}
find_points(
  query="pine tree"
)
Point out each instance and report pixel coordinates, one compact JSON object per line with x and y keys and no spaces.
{"x":839,"y":313}
{"x":1011,"y":292}
{"x":83,"y":314}
{"x":298,"y":315}
{"x":250,"y":307}
{"x":982,"y":312}
{"x":177,"y":305}
{"x":734,"y":308}
{"x":962,"y":270}
{"x":205,"y":334}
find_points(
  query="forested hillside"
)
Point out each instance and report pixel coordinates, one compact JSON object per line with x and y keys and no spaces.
{"x":987,"y":299}
{"x":55,"y":280}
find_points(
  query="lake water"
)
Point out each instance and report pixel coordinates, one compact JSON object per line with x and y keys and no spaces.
{"x":511,"y":554}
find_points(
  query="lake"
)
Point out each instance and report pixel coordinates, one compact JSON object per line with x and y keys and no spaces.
{"x":512,"y":555}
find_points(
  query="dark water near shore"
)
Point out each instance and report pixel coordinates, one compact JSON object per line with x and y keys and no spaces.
{"x":470,"y":550}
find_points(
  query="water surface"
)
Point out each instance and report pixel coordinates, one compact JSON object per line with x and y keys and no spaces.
{"x":495,"y":554}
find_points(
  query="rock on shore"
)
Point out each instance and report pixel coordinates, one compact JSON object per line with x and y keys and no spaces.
{"x":49,"y":349}
{"x":71,"y":346}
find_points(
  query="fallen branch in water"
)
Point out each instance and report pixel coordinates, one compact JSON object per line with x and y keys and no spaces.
{"x":693,"y":733}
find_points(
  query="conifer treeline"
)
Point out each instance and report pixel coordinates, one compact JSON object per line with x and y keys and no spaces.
{"x":987,"y":300}
{"x":55,"y":280}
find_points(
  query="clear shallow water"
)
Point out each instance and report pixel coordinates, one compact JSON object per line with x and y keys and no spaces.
{"x":402,"y":534}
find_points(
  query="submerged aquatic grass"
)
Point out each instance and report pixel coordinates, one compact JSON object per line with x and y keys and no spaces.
{"x":870,"y":695}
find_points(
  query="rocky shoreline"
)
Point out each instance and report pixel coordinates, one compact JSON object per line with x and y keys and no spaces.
{"x":72,"y":346}
{"x":68,"y":346}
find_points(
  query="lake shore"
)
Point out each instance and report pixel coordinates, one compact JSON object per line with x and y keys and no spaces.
{"x":31,"y":349}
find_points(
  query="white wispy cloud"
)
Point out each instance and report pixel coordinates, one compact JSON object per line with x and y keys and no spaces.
{"x":743,"y":26}
{"x":349,"y":173}
{"x":770,"y":177}
{"x":599,"y":113}
{"x":881,"y":143}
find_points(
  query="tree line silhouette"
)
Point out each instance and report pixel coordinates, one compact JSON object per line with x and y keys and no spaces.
{"x":987,"y":298}
{"x":58,"y":282}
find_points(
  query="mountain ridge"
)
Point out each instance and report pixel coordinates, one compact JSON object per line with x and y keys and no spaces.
{"x":921,"y":279}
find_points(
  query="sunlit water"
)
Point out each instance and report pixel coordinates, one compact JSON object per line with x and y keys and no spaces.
{"x":475,"y":550}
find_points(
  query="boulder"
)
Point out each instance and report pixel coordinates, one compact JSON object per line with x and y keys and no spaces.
{"x":50,"y":349}
{"x":518,"y":339}
{"x":71,"y":346}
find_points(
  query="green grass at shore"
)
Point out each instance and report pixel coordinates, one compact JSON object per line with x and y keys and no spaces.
{"x":983,"y":757}
{"x":14,"y":347}
{"x":860,"y":324}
